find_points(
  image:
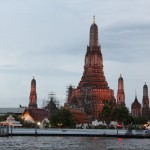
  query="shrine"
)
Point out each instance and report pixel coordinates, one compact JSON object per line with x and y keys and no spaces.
{"x":92,"y":91}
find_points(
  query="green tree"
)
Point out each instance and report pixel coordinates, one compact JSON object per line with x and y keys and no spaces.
{"x":122,"y":115}
{"x":62,"y":119}
{"x":106,"y":115}
{"x":113,"y":112}
{"x":139,"y":120}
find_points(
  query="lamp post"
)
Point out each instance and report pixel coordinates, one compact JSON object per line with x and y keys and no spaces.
{"x":117,"y":131}
{"x":37,"y":125}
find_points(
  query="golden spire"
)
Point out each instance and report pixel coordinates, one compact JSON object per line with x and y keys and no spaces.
{"x":94,"y":19}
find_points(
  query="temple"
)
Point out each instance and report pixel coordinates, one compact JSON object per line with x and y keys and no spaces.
{"x":33,"y":95}
{"x":136,"y":108}
{"x":92,"y":91}
{"x":145,"y":101}
{"x":120,"y":92}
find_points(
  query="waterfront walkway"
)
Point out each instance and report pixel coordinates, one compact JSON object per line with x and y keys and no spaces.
{"x":6,"y":131}
{"x":79,"y":132}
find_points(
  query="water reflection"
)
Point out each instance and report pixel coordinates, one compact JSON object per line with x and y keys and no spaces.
{"x":72,"y":143}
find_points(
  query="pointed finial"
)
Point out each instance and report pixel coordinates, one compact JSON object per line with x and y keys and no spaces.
{"x":33,"y":76}
{"x":120,"y":73}
{"x":145,"y":82}
{"x":135,"y":94}
{"x":94,"y":19}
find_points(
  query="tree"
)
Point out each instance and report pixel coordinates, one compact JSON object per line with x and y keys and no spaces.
{"x":113,"y":112}
{"x":139,"y":120}
{"x":106,"y":113}
{"x":62,"y":119}
{"x":121,"y":114}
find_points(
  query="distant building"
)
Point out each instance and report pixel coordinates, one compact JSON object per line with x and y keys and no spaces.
{"x":15,"y":111}
{"x":136,"y":109}
{"x":35,"y":115}
{"x":10,"y":121}
{"x":93,"y":90}
{"x":33,"y":95}
{"x":51,"y":106}
{"x":120,"y":92}
{"x":145,"y":101}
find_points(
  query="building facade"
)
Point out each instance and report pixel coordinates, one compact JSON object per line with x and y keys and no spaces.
{"x":92,"y":91}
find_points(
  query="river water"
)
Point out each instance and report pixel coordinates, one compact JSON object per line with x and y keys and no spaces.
{"x":72,"y":143}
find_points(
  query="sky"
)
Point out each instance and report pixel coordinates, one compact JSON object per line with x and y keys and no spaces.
{"x":48,"y":39}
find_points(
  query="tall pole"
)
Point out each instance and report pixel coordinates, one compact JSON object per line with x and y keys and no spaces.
{"x":35,"y":130}
{"x":11,"y":130}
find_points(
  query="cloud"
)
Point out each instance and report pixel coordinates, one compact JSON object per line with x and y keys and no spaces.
{"x":49,"y":39}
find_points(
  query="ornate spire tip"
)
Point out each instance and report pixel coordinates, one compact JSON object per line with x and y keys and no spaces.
{"x":33,"y":76}
{"x":135,"y":94}
{"x":94,"y":19}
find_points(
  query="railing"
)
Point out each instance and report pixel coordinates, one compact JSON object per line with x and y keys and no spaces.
{"x":4,"y":130}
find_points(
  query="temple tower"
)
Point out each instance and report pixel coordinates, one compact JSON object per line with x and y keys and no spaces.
{"x":145,"y":101}
{"x":120,"y":92}
{"x":136,"y":109}
{"x":93,"y":75}
{"x":92,"y":91}
{"x":33,"y":95}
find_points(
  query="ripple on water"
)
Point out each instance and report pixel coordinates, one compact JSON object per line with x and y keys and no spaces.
{"x":72,"y":143}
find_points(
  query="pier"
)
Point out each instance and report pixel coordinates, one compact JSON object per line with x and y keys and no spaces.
{"x":4,"y":131}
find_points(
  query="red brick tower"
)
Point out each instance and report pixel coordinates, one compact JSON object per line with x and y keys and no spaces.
{"x":145,"y":108}
{"x":33,"y":96}
{"x":92,"y":91}
{"x":120,"y":92}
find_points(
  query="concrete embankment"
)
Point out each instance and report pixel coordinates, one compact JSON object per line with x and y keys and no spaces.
{"x":79,"y":132}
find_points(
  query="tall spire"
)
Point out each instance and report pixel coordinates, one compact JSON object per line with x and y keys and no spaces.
{"x":93,"y":34}
{"x":135,"y":94}
{"x":120,"y":92}
{"x":145,"y":101}
{"x":93,"y":19}
{"x":145,"y":90}
{"x":93,"y":90}
{"x":33,"y":95}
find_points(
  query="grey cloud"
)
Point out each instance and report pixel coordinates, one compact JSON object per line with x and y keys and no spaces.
{"x":49,"y":39}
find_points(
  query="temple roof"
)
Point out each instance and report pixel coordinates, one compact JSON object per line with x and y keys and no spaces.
{"x":136,"y":104}
{"x":37,"y":114}
{"x":80,"y":116}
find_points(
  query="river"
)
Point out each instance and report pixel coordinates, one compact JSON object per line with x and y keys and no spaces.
{"x":72,"y":143}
